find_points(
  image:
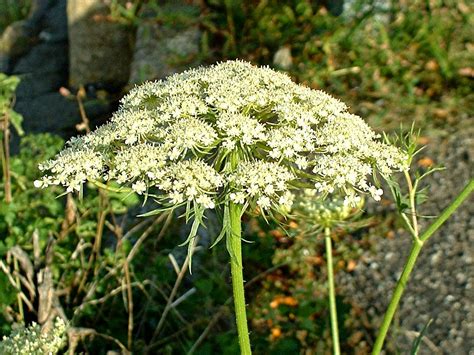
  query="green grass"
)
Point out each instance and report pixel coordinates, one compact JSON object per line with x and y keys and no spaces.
{"x":13,"y":10}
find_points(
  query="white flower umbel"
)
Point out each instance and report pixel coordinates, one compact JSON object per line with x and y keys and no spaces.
{"x":257,"y":115}
{"x":33,"y":341}
{"x":231,"y":136}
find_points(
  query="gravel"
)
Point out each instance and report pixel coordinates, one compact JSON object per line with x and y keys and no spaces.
{"x":442,"y":285}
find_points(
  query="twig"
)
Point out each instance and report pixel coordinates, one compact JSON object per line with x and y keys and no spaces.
{"x":130,"y":256}
{"x":128,"y":287}
{"x":112,"y":293}
{"x":174,"y":335}
{"x":5,"y":150}
{"x":18,"y":286}
{"x":97,"y":243}
{"x":183,"y":297}
{"x":172,"y":295}
{"x":130,"y":303}
{"x":13,"y":283}
{"x":76,"y":334}
{"x":435,"y":350}
{"x":144,"y":235}
{"x":84,"y":126}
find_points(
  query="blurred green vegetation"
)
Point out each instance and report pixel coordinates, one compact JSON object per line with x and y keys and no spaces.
{"x":408,"y":61}
{"x":403,"y":62}
{"x":13,"y":10}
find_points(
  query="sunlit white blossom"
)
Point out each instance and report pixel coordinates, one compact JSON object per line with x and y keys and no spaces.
{"x":264,"y":181}
{"x":228,"y":132}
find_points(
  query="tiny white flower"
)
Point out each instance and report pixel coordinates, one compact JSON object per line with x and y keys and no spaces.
{"x":264,"y":202}
{"x":139,"y":187}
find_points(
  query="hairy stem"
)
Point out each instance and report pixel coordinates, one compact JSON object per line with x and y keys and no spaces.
{"x":410,"y":263}
{"x":332,"y":293}
{"x":235,"y":246}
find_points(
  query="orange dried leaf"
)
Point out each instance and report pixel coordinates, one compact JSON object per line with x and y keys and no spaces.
{"x":276,"y":333}
{"x":425,"y":162}
{"x":276,"y":233}
{"x":431,"y":65}
{"x":274,"y":304}
{"x":423,"y":140}
{"x":293,"y":225}
{"x":351,"y":265}
{"x":64,"y":91}
{"x":441,"y":113}
{"x":290,"y":301}
{"x":469,"y":72}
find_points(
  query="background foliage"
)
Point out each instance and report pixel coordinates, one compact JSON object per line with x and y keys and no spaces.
{"x":398,"y":61}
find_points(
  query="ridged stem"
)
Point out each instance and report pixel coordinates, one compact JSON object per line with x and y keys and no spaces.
{"x":332,"y":293}
{"x":235,"y":246}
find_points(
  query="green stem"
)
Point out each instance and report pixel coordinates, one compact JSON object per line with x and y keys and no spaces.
{"x":397,"y":294}
{"x":238,"y":278}
{"x":332,"y":293}
{"x":409,"y":265}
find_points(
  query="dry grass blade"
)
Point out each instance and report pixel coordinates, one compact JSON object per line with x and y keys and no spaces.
{"x":18,"y":253}
{"x":75,"y":335}
{"x":171,"y":297}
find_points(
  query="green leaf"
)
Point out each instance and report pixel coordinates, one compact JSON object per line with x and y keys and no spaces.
{"x":417,"y":342}
{"x":421,"y":196}
{"x":8,"y":294}
{"x":16,"y":120}
{"x":205,"y":286}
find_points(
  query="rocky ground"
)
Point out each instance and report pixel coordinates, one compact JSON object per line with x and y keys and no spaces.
{"x":442,"y":285}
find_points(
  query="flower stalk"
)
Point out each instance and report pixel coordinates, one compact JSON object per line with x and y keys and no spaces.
{"x":332,"y":293}
{"x":235,"y":246}
{"x":418,"y":242}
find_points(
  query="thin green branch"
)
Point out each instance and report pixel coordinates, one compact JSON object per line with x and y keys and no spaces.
{"x":411,"y":194}
{"x":410,"y":263}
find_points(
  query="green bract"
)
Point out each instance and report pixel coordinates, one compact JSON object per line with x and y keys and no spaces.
{"x":228,"y":132}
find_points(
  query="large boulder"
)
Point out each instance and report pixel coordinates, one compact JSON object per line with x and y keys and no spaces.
{"x":100,"y":47}
{"x":43,"y":69}
{"x":163,"y":48}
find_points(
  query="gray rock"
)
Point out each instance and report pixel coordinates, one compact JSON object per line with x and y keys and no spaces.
{"x":37,"y":84}
{"x":15,"y":41}
{"x":54,"y":113}
{"x":99,"y":48}
{"x":42,"y":70}
{"x":18,"y":38}
{"x":54,"y":27}
{"x":161,"y":50}
{"x":44,"y":58}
